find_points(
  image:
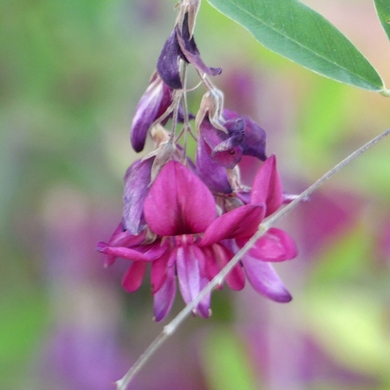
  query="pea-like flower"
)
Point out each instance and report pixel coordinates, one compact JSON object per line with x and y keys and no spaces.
{"x":192,"y":242}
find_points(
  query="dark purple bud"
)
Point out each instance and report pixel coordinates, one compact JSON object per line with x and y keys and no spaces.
{"x":168,"y":62}
{"x":223,"y":149}
{"x":154,"y":102}
{"x":236,"y":129}
{"x":254,"y":142}
{"x":189,"y":50}
{"x":180,"y":44}
{"x":137,"y":180}
{"x":212,"y":173}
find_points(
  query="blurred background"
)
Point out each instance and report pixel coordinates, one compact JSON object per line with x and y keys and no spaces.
{"x":71,"y":74}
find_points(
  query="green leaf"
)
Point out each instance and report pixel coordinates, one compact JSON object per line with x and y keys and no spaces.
{"x":383,"y":11}
{"x":297,"y":32}
{"x":226,"y":363}
{"x":24,"y":319}
{"x":348,"y":324}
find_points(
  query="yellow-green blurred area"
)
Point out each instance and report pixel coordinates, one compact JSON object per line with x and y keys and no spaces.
{"x":71,"y":74}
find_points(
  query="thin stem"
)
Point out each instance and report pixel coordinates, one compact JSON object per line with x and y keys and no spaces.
{"x":305,"y":194}
{"x":184,"y":97}
{"x":205,"y":80}
{"x":175,"y":101}
{"x":385,"y":92}
{"x":123,"y":383}
{"x":185,"y":113}
{"x":175,"y":114}
{"x":218,"y":280}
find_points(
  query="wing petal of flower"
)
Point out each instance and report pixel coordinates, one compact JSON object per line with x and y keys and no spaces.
{"x":265,"y":280}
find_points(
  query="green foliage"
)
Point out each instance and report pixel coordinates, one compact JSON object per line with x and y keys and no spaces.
{"x":23,"y":323}
{"x":299,"y":33}
{"x":226,"y":363}
{"x":321,"y":121}
{"x":349,"y":325}
{"x":343,"y":260}
{"x":383,"y":10}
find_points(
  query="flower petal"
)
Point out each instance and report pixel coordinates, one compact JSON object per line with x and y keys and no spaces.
{"x":211,"y":268}
{"x":127,"y":253}
{"x":267,"y":186}
{"x":137,"y":180}
{"x":117,"y":235}
{"x":224,"y":147}
{"x":178,"y":202}
{"x":132,"y":279}
{"x":236,"y":129}
{"x":147,"y":112}
{"x":159,"y":272}
{"x":228,"y":158}
{"x":164,"y":297}
{"x":122,"y":237}
{"x":255,"y":140}
{"x":190,"y":51}
{"x":168,"y":62}
{"x":210,"y":171}
{"x":235,"y":279}
{"x":190,"y":280}
{"x":275,"y":245}
{"x":241,"y":222}
{"x":264,"y":279}
{"x":244,"y":196}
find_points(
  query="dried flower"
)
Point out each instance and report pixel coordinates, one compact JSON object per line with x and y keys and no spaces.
{"x":181,"y":45}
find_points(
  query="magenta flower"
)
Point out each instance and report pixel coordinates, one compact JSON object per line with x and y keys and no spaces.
{"x":274,"y":246}
{"x":194,"y":243}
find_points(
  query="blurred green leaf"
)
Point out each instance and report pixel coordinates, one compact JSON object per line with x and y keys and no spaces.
{"x":322,"y":120}
{"x":297,"y":32}
{"x":383,"y":10}
{"x":344,"y":259}
{"x":226,"y":363}
{"x":349,"y":325}
{"x":23,"y":322}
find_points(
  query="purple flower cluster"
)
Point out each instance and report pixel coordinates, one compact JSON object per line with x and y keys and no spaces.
{"x":187,"y":220}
